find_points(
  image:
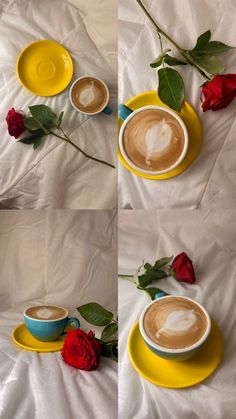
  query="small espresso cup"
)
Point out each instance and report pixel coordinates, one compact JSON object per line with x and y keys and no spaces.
{"x":126,"y":114}
{"x":105,"y":108}
{"x":49,"y":330}
{"x":174,"y":354}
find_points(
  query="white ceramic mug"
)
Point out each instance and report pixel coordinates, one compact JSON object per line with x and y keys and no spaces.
{"x":126,"y":114}
{"x":105,"y":109}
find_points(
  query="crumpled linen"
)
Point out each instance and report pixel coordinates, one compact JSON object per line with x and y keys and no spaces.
{"x":209,"y":240}
{"x":56,"y":175}
{"x":66,"y":258}
{"x":210,"y":182}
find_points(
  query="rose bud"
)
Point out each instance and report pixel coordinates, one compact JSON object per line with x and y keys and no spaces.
{"x":219,"y":92}
{"x":182,"y":269}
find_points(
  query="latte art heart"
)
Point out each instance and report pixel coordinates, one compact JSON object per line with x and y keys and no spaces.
{"x":178,"y":321}
{"x":153,"y":139}
{"x":157,"y":139}
{"x":175,"y":322}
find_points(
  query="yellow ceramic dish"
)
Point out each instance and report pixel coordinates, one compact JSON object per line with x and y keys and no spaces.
{"x":174,"y":374}
{"x":45,"y":68}
{"x":23,"y":338}
{"x":193,"y":125}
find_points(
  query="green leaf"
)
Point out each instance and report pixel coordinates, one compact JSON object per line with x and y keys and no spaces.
{"x":213,"y":47}
{"x":171,"y":88}
{"x":150,"y":276}
{"x":109,"y":330}
{"x":172,"y":61}
{"x":95,"y":314}
{"x":152,"y":291}
{"x":115,"y":352}
{"x":107,"y":350}
{"x":202,"y":40}
{"x":211,"y":64}
{"x":45,"y":115}
{"x":110,"y":350}
{"x":162,"y":262}
{"x":158,"y":61}
{"x":32,"y":124}
{"x":37,"y":143}
{"x":60,"y":119}
{"x":147,"y":266}
{"x":31,"y":139}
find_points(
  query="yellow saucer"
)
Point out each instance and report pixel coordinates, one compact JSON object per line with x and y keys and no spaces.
{"x":174,"y":374}
{"x":23,"y":338}
{"x":45,"y":68}
{"x":192,"y":122}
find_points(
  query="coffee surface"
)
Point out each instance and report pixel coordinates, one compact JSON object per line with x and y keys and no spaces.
{"x":89,"y":95}
{"x":175,"y":323}
{"x":153,"y":140}
{"x":45,"y":312}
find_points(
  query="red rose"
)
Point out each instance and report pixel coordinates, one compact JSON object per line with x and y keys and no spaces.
{"x":81,"y":350}
{"x":183,"y":268}
{"x":219,"y":92}
{"x":15,"y":122}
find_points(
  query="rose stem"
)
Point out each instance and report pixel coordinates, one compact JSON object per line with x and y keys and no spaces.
{"x":67,"y":139}
{"x":181,"y":50}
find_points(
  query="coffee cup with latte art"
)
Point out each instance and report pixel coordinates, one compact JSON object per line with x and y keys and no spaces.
{"x":153,"y":140}
{"x":90,"y":96}
{"x":175,"y":327}
{"x":47,"y":323}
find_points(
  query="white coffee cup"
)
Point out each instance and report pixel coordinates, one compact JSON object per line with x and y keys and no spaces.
{"x":126,"y":114}
{"x":105,"y":108}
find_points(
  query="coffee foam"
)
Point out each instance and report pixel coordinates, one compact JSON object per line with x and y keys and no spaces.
{"x":175,"y":323}
{"x":153,"y":139}
{"x":45,"y":312}
{"x":89,"y":95}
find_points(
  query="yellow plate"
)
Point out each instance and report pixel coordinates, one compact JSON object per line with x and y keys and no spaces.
{"x":45,"y":68}
{"x":23,"y":338}
{"x":174,"y":374}
{"x":192,"y":122}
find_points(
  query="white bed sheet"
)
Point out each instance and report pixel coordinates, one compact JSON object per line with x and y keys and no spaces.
{"x":209,"y":240}
{"x":64,"y":258}
{"x":56,"y":175}
{"x":210,"y":181}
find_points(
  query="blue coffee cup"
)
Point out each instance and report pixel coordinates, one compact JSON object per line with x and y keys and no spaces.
{"x":49,"y":330}
{"x":174,"y":354}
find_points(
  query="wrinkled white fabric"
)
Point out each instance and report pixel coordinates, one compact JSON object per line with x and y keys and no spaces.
{"x":66,"y":258}
{"x":209,"y":240}
{"x":211,"y":180}
{"x":56,"y":175}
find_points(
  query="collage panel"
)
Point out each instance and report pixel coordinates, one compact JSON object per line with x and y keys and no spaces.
{"x":56,"y":264}
{"x":164,"y":69}
{"x":177,"y":314}
{"x":58,"y":67}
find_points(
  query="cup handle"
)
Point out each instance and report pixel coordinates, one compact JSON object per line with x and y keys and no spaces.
{"x":75,"y":321}
{"x":107,"y":110}
{"x":71,"y":320}
{"x":124,"y":111}
{"x":160,"y":294}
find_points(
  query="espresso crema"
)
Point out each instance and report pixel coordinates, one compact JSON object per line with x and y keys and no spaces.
{"x":45,"y":312}
{"x":175,"y":323}
{"x":89,"y":95}
{"x":153,"y":140}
